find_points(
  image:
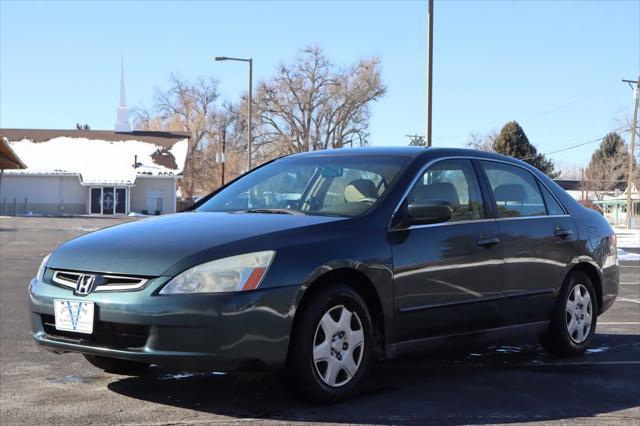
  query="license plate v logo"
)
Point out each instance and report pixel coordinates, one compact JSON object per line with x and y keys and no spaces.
{"x":74,"y":317}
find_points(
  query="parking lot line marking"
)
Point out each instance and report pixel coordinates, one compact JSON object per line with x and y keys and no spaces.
{"x":619,"y":323}
{"x":629,"y":283}
{"x":624,"y":299}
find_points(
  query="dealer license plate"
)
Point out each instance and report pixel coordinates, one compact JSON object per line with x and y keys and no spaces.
{"x":74,"y":315}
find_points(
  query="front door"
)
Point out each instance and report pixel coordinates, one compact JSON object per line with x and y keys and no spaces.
{"x":448,"y":276}
{"x":108,"y":200}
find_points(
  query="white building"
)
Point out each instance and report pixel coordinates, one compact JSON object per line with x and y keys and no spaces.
{"x":70,"y":172}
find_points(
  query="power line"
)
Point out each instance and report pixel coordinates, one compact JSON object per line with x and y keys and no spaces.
{"x":563,"y":149}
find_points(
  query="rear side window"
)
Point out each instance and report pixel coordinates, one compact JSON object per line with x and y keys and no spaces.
{"x":553,"y":207}
{"x":515,"y":190}
{"x":454,"y":181}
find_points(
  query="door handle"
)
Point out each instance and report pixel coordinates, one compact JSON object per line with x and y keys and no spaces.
{"x":486,"y":240}
{"x":563,"y":232}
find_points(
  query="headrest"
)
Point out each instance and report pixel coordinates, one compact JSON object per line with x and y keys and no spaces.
{"x":510,"y":192}
{"x":359,"y":189}
{"x":438,"y":191}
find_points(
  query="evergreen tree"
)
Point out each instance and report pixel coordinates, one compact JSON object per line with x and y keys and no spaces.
{"x":513,"y":141}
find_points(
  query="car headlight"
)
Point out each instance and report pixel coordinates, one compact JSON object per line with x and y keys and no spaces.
{"x":42,"y":267}
{"x":236,"y":273}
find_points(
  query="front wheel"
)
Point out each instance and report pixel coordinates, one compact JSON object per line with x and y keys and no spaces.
{"x":331,"y":345}
{"x":117,"y":366}
{"x":574,"y":318}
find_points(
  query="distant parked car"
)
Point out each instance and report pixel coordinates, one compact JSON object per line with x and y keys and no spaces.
{"x":380,"y":251}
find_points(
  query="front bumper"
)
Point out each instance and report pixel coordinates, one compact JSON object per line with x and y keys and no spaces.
{"x":221,"y":332}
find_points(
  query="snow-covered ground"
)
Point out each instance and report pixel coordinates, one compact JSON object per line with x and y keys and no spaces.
{"x":628,"y":238}
{"x":625,"y":255}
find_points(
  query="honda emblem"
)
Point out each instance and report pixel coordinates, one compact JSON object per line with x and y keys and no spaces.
{"x":84,"y":285}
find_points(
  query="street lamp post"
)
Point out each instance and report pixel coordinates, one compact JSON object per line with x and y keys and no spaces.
{"x":430,"y":74}
{"x":249,"y":107}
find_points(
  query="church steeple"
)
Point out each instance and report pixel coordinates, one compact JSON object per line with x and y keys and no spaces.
{"x":122,"y":116}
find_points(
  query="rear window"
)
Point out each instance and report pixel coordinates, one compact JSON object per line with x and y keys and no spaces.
{"x":515,"y":190}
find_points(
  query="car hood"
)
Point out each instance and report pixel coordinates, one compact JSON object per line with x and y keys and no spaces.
{"x":150,"y":247}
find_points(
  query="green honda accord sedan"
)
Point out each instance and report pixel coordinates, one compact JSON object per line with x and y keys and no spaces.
{"x":323,"y":262}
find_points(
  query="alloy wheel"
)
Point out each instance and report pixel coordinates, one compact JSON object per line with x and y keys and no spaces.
{"x":338,"y":346}
{"x":579,"y":311}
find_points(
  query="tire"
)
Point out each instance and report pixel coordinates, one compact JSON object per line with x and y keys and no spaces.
{"x":331,"y":345}
{"x":574,"y":318}
{"x":117,"y":366}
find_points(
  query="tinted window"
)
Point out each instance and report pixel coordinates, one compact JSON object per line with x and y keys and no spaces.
{"x":454,"y":181}
{"x":318,"y":185}
{"x":553,"y":208}
{"x":515,"y":190}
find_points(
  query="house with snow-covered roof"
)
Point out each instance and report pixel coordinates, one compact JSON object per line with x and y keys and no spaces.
{"x":71,"y":172}
{"x":92,"y":172}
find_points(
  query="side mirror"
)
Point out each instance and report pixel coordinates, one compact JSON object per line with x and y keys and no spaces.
{"x":428,"y":211}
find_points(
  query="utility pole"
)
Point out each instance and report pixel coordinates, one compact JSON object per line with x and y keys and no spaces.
{"x":634,"y":127}
{"x":250,"y":129}
{"x":582,"y":187}
{"x":430,"y":72}
{"x":224,"y":158}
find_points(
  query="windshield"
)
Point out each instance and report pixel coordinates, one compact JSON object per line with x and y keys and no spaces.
{"x":331,"y":185}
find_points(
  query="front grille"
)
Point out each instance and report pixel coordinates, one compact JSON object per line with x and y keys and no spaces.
{"x":106,"y":334}
{"x":104,"y":282}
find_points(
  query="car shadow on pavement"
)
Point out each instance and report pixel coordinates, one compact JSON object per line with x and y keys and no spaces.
{"x":515,"y":382}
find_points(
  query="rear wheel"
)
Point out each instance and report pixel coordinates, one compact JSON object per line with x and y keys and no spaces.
{"x":117,"y":366}
{"x":331,"y":345}
{"x":574,"y":319}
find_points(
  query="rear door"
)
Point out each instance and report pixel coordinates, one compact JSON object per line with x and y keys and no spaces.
{"x":538,"y":239}
{"x":448,"y":276}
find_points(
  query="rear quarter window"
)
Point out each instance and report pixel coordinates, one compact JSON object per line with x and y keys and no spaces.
{"x":553,"y":207}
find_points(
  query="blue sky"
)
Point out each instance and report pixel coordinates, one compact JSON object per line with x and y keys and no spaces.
{"x":553,"y":66}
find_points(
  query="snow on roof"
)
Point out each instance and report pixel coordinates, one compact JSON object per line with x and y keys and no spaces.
{"x":100,"y":161}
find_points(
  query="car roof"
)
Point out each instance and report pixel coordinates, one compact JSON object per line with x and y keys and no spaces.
{"x":409,"y":151}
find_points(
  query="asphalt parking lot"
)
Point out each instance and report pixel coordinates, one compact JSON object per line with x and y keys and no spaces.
{"x":507,"y":382}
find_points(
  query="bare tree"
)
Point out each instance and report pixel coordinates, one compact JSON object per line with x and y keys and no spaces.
{"x":311,"y":104}
{"x":608,"y":165}
{"x":189,"y":107}
{"x":569,"y":171}
{"x":482,"y":142}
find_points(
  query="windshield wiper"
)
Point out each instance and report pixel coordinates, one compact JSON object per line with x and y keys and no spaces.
{"x":275,"y":211}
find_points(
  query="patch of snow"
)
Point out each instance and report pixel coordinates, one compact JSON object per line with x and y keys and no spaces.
{"x":598,"y":350}
{"x":623,"y":255}
{"x":185,"y":375}
{"x":507,"y":349}
{"x":136,"y":214}
{"x":97,"y":161}
{"x":627,"y":238}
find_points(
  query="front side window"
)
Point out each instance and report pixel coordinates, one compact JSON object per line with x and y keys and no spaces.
{"x":317,"y":185}
{"x":454,"y":181}
{"x":515,"y":190}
